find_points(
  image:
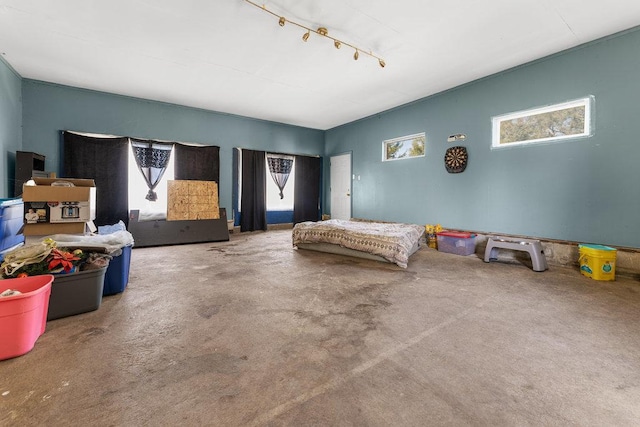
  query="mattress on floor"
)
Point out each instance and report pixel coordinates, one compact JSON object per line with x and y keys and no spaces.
{"x":393,"y":242}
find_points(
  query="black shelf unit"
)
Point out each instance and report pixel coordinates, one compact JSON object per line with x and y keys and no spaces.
{"x":28,"y":164}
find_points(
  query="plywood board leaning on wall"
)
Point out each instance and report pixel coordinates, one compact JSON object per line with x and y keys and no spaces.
{"x":188,"y":200}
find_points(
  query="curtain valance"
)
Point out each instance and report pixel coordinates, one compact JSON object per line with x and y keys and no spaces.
{"x":152,"y":159}
{"x":280,"y":168}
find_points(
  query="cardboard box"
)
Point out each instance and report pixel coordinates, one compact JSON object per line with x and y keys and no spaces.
{"x":45,"y":229}
{"x":46,"y":203}
{"x":55,"y":212}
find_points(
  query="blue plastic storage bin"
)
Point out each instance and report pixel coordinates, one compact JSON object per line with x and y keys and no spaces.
{"x":117,"y":276}
{"x":11,"y":222}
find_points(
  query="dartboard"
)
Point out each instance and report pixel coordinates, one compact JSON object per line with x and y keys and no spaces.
{"x":455,"y":159}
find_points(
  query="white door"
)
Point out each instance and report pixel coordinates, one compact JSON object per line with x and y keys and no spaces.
{"x":341,"y":186}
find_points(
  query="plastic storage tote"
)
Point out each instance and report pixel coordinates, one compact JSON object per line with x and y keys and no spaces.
{"x":455,"y":242}
{"x":11,"y":221}
{"x":76,"y":293}
{"x":23,"y":317}
{"x":117,"y":276}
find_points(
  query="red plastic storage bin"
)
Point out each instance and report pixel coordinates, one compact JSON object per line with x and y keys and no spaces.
{"x":23,"y":317}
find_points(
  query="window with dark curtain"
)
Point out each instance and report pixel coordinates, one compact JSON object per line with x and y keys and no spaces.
{"x":280,"y":168}
{"x":199,"y":163}
{"x":253,"y":202}
{"x":152,"y":159}
{"x":105,"y":160}
{"x":306,"y":199}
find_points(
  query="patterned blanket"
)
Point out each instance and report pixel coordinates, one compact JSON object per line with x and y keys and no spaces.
{"x":392,"y":241}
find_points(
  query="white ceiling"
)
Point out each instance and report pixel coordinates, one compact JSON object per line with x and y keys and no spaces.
{"x":232,"y":57}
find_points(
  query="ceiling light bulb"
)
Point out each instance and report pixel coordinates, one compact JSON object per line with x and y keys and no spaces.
{"x":282,"y":21}
{"x":382,"y":63}
{"x":306,"y":35}
{"x":356,"y":55}
{"x":337,"y":44}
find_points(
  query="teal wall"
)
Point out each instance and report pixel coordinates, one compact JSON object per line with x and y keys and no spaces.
{"x":585,"y":190}
{"x":49,"y":109}
{"x":582,"y":190}
{"x":10,"y":126}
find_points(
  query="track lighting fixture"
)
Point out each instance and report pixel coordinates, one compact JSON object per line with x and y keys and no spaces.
{"x":321,"y":31}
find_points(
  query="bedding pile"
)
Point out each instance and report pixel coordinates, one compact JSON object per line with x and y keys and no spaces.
{"x":394,"y":242}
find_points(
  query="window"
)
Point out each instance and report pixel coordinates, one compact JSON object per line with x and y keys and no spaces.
{"x":545,"y":124}
{"x":404,"y":147}
{"x":274,"y":202}
{"x":138,"y":189}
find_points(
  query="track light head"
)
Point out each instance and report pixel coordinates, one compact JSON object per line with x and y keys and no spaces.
{"x":356,"y":55}
{"x":282,"y":21}
{"x":382,"y":63}
{"x":306,"y":35}
{"x":337,"y":44}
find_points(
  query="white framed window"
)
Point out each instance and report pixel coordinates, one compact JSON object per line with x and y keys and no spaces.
{"x":553,"y":123}
{"x":405,"y":147}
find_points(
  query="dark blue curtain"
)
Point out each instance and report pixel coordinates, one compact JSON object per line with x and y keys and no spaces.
{"x":306,"y":201}
{"x":253,"y":202}
{"x":105,"y":160}
{"x":198,"y":163}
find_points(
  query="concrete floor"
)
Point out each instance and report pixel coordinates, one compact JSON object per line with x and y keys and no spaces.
{"x":251,"y":332}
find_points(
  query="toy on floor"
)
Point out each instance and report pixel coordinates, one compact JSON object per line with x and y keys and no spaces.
{"x":431,"y":232}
